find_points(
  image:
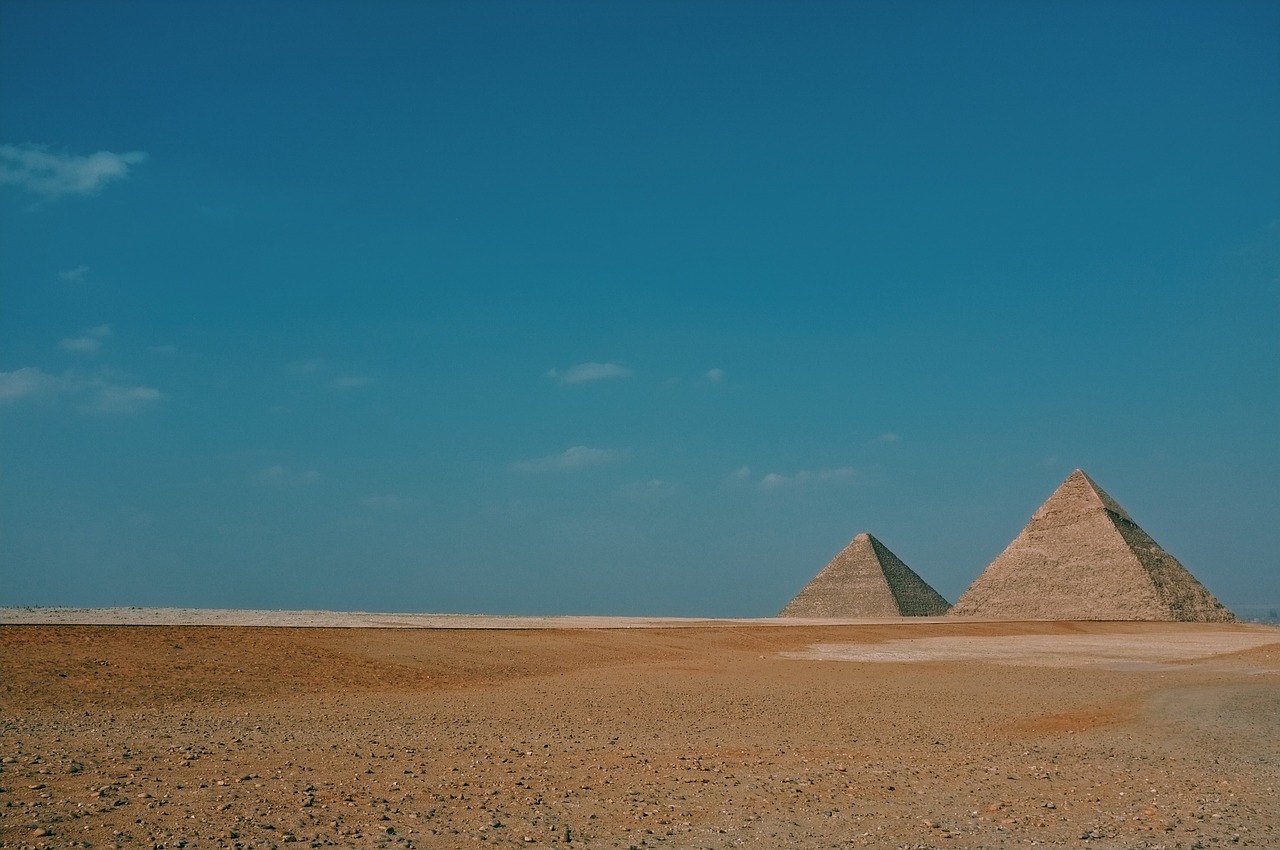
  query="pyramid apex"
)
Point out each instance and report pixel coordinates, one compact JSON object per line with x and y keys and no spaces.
{"x":1079,"y":476}
{"x":1103,"y":497}
{"x":1079,"y":494}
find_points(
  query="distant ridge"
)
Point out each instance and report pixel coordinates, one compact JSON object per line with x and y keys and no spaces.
{"x":866,"y":580}
{"x":1082,"y":557}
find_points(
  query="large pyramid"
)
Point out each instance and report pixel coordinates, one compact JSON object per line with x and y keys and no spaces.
{"x":866,"y":580}
{"x":1082,"y":557}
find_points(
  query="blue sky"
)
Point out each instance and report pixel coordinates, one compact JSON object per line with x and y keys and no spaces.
{"x":625,"y":308}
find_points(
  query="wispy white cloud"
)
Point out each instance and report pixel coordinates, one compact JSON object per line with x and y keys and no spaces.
{"x":73,"y":275}
{"x":103,"y":394}
{"x":282,"y":476}
{"x":654,"y":488}
{"x":577,"y":457}
{"x":107,"y":397}
{"x":305,"y":366}
{"x":29,"y":383}
{"x":348,"y":382}
{"x":53,"y":175}
{"x":740,"y":475}
{"x":88,"y":342}
{"x":326,"y":374}
{"x":710,"y":378}
{"x":80,"y":344}
{"x":888,"y":437}
{"x":774,"y":480}
{"x":582,"y":373}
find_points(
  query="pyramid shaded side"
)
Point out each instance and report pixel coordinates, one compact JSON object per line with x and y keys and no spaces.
{"x":865,"y":580}
{"x":1082,"y":557}
{"x":1180,"y":593}
{"x":913,"y":595}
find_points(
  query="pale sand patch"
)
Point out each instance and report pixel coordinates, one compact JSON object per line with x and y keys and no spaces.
{"x":1163,"y":651}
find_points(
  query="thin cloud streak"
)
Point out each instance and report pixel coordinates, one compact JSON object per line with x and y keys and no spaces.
{"x":282,"y":476}
{"x":120,"y":398}
{"x":80,"y":344}
{"x":575,"y":458}
{"x":774,"y":480}
{"x":87,"y":343}
{"x":306,"y":366}
{"x":75,"y":275}
{"x":348,"y":382}
{"x":654,"y":488}
{"x":101,"y":395}
{"x":583,"y":373}
{"x":55,"y":175}
{"x":29,"y":382}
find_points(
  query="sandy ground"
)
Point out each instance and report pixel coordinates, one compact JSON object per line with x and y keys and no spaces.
{"x":697,"y":734}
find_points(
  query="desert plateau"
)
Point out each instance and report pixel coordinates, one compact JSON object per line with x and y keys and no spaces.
{"x":639,"y":734}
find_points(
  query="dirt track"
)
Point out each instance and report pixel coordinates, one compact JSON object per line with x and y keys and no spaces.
{"x":1089,"y":735}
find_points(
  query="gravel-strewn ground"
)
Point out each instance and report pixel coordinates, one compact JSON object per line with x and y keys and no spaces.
{"x":716,"y":736}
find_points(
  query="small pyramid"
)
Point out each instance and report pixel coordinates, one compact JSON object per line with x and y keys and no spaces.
{"x":1082,"y":557}
{"x":866,"y":580}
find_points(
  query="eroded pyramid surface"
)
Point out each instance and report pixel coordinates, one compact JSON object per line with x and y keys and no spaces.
{"x":866,"y":580}
{"x":1082,"y":557}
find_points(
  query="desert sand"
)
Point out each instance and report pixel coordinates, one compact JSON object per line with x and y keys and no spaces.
{"x":647,"y":733}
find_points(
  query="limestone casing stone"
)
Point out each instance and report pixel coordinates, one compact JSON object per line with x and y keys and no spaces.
{"x":1082,"y":557}
{"x":866,"y":580}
